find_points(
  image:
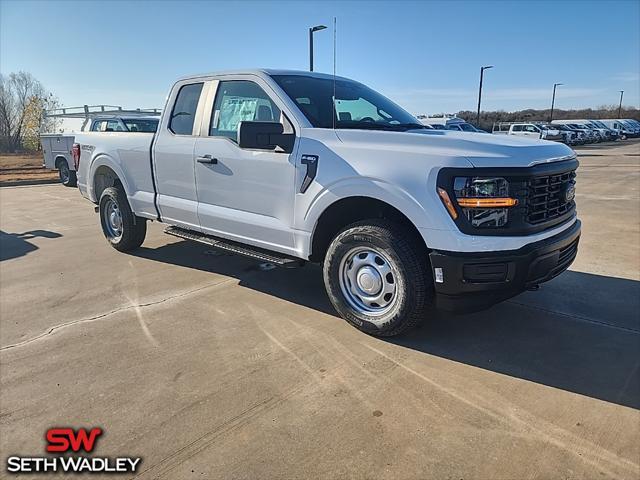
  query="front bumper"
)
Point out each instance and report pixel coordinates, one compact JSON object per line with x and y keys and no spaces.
{"x":475,"y":281}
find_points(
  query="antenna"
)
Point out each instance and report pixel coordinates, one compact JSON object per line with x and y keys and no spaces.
{"x":335,"y":111}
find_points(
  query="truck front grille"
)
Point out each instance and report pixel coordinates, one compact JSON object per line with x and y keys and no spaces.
{"x":550,"y":197}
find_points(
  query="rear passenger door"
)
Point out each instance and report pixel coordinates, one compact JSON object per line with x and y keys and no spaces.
{"x":245,"y":195}
{"x":173,"y":157}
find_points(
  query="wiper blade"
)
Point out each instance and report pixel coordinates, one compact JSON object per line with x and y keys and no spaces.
{"x":382,"y":126}
{"x":411,"y":126}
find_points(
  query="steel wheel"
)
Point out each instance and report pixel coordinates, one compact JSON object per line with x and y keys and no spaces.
{"x":112,"y":218}
{"x":368,"y":281}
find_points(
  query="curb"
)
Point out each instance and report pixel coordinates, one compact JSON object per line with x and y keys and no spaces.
{"x":23,"y":183}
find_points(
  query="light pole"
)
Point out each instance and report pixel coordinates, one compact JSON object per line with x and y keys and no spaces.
{"x":553,"y":100}
{"x":311,"y":30}
{"x":620,"y":106}
{"x":482,"y":69}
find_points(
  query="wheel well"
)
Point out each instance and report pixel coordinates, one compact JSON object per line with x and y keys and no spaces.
{"x":59,"y":160}
{"x":104,"y":178}
{"x":350,"y":210}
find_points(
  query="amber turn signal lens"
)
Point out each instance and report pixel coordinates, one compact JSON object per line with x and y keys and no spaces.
{"x":487,"y":202}
{"x":444,"y":196}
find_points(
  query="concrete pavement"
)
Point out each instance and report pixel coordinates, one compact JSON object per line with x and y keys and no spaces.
{"x":207,"y":366}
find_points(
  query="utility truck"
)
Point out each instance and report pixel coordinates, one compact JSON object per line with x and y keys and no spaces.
{"x":56,"y":147}
{"x":289,"y":166}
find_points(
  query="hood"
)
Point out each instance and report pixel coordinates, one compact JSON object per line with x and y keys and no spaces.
{"x":481,"y":150}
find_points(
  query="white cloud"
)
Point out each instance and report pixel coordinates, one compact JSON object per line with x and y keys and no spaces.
{"x":627,"y":77}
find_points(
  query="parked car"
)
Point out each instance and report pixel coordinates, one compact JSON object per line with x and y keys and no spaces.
{"x":114,"y":123}
{"x":602,"y":132}
{"x":554,"y":132}
{"x":450,"y":123}
{"x":57,"y":148}
{"x":624,"y":131}
{"x":288,"y":167}
{"x":525,"y":129}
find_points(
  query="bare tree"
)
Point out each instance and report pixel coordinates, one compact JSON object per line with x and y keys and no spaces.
{"x":19,"y":93}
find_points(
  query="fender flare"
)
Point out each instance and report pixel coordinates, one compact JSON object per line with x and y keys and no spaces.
{"x":103,"y":160}
{"x":375,"y":189}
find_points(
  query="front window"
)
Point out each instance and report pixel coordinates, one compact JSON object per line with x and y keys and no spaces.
{"x":237,"y":101}
{"x":355,"y":105}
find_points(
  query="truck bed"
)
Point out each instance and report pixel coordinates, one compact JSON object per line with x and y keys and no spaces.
{"x":125,"y":153}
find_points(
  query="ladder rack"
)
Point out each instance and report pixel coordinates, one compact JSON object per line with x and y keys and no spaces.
{"x":88,"y":111}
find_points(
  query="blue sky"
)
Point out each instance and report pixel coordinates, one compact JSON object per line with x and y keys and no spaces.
{"x":423,"y":54}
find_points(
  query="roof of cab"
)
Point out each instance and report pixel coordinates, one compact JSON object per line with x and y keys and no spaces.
{"x":262,"y":72}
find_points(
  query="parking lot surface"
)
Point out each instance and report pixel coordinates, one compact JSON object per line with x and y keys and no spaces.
{"x":206,"y":365}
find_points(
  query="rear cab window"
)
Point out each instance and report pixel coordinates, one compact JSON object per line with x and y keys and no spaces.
{"x":184,"y":109}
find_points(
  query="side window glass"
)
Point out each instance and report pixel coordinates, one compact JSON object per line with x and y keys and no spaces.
{"x":517,"y":128}
{"x":114,"y":126}
{"x":184,"y":109}
{"x":95,"y":127}
{"x":237,"y":101}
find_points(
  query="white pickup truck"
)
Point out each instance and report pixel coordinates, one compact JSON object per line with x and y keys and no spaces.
{"x":289,"y":166}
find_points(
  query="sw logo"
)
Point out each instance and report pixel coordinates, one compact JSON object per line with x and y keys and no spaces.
{"x":63,"y":440}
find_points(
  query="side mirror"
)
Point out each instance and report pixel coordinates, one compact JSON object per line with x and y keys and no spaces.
{"x":264,"y":136}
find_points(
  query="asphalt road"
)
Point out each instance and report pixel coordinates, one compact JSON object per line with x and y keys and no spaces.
{"x":206,"y":365}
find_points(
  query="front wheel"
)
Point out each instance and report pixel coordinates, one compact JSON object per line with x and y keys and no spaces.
{"x":378,"y":277}
{"x":124,"y":230}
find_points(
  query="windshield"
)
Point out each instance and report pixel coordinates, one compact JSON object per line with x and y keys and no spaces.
{"x":466,"y":127}
{"x":356,"y":106}
{"x":144,"y":125}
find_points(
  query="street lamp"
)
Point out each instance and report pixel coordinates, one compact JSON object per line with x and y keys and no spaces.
{"x":620,"y":106}
{"x":553,"y":100}
{"x":311,"y":30}
{"x":482,"y":69}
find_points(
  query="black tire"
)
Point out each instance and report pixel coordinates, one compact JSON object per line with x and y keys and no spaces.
{"x":132,"y":229}
{"x":67,"y":177}
{"x":409,"y":264}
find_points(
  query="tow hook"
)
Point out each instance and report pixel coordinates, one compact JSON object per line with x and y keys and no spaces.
{"x":534,"y":288}
{"x":96,"y":208}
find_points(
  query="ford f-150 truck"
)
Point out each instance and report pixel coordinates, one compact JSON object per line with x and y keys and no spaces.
{"x":289,"y":166}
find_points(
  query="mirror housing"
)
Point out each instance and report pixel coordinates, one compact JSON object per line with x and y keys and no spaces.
{"x":264,"y":136}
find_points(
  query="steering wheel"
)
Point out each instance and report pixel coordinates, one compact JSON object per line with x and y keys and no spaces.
{"x":367,"y":119}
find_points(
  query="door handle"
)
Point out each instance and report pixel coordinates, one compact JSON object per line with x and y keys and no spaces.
{"x":207,"y":159}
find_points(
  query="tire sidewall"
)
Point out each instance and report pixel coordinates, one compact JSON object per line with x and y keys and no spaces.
{"x":344,"y":243}
{"x":64,"y":172}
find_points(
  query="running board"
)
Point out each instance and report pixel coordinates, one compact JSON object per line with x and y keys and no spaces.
{"x":234,"y":247}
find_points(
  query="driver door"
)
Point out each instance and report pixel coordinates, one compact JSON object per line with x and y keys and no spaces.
{"x":246,"y":195}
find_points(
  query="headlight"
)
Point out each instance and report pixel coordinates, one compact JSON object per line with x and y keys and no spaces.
{"x":484,"y":201}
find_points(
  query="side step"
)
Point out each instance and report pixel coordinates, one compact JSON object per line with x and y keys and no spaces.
{"x":234,"y":247}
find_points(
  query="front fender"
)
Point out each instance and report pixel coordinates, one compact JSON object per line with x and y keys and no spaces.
{"x":376,"y":189}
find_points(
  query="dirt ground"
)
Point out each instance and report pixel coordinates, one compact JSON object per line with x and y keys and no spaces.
{"x":17,"y":168}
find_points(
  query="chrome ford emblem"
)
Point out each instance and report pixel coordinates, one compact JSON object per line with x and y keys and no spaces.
{"x":570,"y":192}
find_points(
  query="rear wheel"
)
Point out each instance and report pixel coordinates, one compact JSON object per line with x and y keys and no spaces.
{"x":67,"y":176}
{"x":124,"y":230}
{"x":378,"y":278}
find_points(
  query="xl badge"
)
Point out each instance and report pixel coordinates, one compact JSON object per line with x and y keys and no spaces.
{"x":570,"y":193}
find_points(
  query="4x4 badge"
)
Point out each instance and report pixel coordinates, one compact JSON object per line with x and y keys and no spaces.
{"x":311,"y":161}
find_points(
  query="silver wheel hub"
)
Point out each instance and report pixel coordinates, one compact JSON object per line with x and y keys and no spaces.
{"x":368,"y":281}
{"x":113,"y":219}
